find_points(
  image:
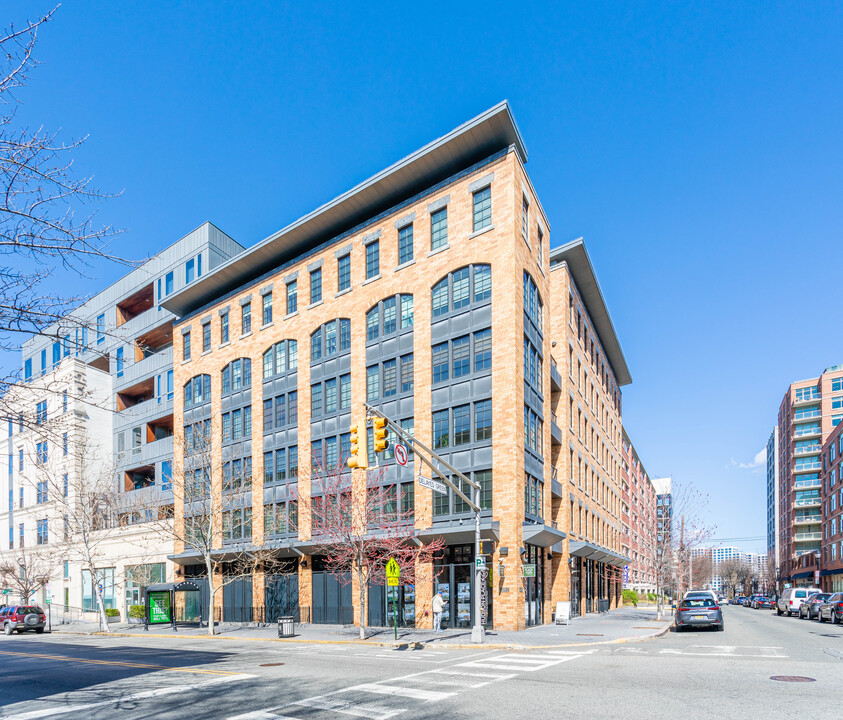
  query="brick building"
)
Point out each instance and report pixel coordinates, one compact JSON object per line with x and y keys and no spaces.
{"x":831,"y":564}
{"x":638,"y":511}
{"x":430,"y":291}
{"x":808,"y":414}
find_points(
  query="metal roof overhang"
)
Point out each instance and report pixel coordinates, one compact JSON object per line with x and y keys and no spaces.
{"x":542,"y":535}
{"x":480,"y":137}
{"x":575,"y":256}
{"x":591,"y":551}
{"x":456,"y":534}
{"x":183,"y":586}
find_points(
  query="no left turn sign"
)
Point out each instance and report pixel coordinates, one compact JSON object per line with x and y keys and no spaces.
{"x":401,"y":454}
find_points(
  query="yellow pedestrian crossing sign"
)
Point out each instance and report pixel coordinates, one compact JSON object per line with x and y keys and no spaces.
{"x":393,"y":572}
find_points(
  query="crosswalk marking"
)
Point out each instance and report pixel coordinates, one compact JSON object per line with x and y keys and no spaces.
{"x":348,"y":707}
{"x":427,"y":686}
{"x":416,"y":694}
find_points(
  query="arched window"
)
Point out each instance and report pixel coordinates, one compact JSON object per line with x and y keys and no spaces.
{"x":461,"y":288}
{"x":329,"y":339}
{"x":237,"y":375}
{"x":532,"y":302}
{"x":390,"y":315}
{"x":280,"y":358}
{"x":197,"y":391}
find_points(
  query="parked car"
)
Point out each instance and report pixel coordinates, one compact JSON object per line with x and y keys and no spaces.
{"x":23,"y":617}
{"x":701,"y":593}
{"x":746,"y":601}
{"x":737,"y":600}
{"x":758,"y":600}
{"x":767,"y":603}
{"x":809,"y":609}
{"x":698,"y":611}
{"x":831,"y":609}
{"x":792,"y":598}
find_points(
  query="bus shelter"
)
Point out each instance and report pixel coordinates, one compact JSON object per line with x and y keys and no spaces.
{"x":160,"y":602}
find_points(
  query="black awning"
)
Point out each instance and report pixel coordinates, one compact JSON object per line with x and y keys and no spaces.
{"x":596,"y":552}
{"x":183,"y":586}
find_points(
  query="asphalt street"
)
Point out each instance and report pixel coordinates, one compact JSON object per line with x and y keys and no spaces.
{"x":690,"y":674}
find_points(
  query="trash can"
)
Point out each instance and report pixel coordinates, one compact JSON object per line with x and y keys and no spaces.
{"x":286,"y":626}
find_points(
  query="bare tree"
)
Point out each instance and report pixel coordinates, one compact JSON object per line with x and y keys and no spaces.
{"x":730,"y":571}
{"x":212,"y":514}
{"x":360,"y":527}
{"x":40,"y":223}
{"x":27,"y":570}
{"x":701,"y":569}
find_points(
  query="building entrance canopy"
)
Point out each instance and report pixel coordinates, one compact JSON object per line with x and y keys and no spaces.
{"x":542,"y":535}
{"x":590,"y":551}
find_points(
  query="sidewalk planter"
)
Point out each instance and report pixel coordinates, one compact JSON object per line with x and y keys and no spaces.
{"x":135,"y":621}
{"x":111,"y":620}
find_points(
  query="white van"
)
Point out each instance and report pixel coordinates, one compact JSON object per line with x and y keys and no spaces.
{"x":792,"y":598}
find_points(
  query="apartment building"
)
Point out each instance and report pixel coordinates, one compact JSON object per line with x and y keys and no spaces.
{"x":773,"y":526}
{"x":831,"y":563}
{"x":638,"y":510}
{"x":108,"y":366}
{"x":404,"y":293}
{"x":807,"y":416}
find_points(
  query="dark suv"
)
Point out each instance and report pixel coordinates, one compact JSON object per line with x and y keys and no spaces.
{"x":22,"y":618}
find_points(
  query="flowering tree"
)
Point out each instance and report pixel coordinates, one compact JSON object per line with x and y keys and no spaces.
{"x":359,"y":527}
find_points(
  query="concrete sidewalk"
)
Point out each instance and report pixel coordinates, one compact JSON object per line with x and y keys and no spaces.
{"x":625,"y":624}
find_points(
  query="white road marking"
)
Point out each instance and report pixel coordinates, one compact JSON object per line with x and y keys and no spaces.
{"x":346,"y":707}
{"x":380,"y":688}
{"x":504,"y":662}
{"x":158,"y":692}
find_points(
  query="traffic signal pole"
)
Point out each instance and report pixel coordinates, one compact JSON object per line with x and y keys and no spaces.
{"x":428,"y":457}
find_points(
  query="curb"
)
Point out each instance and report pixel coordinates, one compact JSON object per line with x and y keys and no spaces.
{"x":393,"y":643}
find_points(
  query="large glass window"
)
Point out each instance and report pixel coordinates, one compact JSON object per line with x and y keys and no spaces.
{"x":316,"y":286}
{"x":405,"y":244}
{"x":344,"y":273}
{"x":459,"y":289}
{"x":482,"y":208}
{"x":280,"y":358}
{"x":324,"y":341}
{"x":237,"y":375}
{"x":197,"y":391}
{"x":373,"y":259}
{"x":439,"y":229}
{"x":292,"y":297}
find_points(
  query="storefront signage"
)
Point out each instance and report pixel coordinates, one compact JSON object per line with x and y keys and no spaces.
{"x":528,"y":571}
{"x":159,"y":607}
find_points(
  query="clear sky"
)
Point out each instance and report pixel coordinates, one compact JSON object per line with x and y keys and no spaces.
{"x":696,"y":148}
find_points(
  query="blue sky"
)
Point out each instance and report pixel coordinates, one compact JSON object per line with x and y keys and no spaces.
{"x":696,"y":147}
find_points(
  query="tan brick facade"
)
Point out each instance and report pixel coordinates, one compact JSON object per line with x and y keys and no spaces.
{"x":503,"y":247}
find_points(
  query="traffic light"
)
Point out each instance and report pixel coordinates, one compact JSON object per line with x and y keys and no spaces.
{"x":379,"y":427}
{"x":358,"y":449}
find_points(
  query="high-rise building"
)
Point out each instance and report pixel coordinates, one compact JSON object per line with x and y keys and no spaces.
{"x":773,"y":529}
{"x":429,"y":291}
{"x":807,"y":416}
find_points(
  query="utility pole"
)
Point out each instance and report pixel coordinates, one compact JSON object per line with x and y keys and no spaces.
{"x":681,"y":556}
{"x":427,"y":456}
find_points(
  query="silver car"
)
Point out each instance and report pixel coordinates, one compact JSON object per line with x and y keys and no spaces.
{"x":694,"y":612}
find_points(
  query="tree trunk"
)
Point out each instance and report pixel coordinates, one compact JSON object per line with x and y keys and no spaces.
{"x":212,"y":593}
{"x":101,"y":607}
{"x":362,"y":589}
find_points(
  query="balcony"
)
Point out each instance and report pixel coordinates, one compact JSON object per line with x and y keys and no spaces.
{"x":810,"y":400}
{"x":807,"y":520}
{"x":808,"y":537}
{"x":555,"y":431}
{"x":139,"y":371}
{"x":808,"y":484}
{"x":808,"y":502}
{"x":147,"y":454}
{"x":555,"y":375}
{"x":813,"y":450}
{"x":555,"y":485}
{"x":802,"y":433}
{"x":144,"y":411}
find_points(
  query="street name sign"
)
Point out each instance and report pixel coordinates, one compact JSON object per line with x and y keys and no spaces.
{"x":434,"y":485}
{"x":401,"y":454}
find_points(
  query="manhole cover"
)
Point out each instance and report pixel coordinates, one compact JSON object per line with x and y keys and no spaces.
{"x":591,"y":634}
{"x":792,"y":678}
{"x":271,"y":664}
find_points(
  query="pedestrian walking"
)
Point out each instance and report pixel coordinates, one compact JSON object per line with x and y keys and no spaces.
{"x":438,"y":606}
